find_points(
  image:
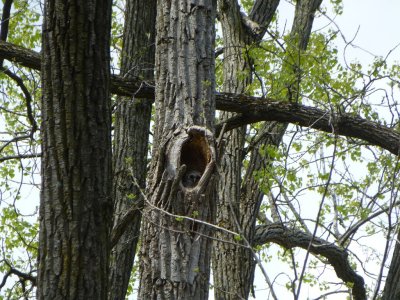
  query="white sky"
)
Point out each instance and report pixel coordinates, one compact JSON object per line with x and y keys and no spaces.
{"x":378,"y":23}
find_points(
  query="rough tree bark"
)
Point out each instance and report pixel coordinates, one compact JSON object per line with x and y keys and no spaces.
{"x":131,"y":134}
{"x":240,"y":198}
{"x":232,"y":262}
{"x":392,"y":286}
{"x":176,"y":249}
{"x":75,"y":205}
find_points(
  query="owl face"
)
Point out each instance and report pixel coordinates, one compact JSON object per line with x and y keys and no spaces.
{"x":191,"y":178}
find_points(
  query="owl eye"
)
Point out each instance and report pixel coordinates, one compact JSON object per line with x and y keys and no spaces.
{"x":194,"y":177}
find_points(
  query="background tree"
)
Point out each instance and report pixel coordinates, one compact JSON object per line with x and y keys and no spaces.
{"x":391,"y":290}
{"x":131,"y":134}
{"x":19,"y":119}
{"x":241,"y":34}
{"x":76,"y":209}
{"x":239,"y":200}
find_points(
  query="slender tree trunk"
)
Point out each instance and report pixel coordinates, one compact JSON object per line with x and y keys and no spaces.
{"x":233,"y":262}
{"x":392,"y":286}
{"x":240,"y":198}
{"x":132,"y":122}
{"x":176,"y":251}
{"x":230,"y":275}
{"x":75,"y":208}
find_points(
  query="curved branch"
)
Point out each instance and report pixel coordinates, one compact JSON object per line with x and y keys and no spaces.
{"x":15,"y":139}
{"x":252,"y":109}
{"x":337,"y":257}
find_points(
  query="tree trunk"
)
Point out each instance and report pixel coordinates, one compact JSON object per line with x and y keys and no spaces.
{"x":75,"y":207}
{"x":176,"y":248}
{"x":240,"y":198}
{"x":392,"y":286}
{"x":233,"y":262}
{"x":229,"y":260}
{"x":132,"y":125}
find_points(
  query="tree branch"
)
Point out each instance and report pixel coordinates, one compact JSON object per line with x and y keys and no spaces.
{"x":5,"y":22}
{"x":21,"y":55}
{"x":20,"y":156}
{"x":119,"y":85}
{"x":22,"y":276}
{"x":28,"y":97}
{"x":119,"y":229}
{"x":352,"y":229}
{"x":337,"y":257}
{"x":251,"y":109}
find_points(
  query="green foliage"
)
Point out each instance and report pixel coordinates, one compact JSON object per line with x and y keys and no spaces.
{"x":19,"y":240}
{"x":25,"y":24}
{"x":18,"y":232}
{"x":117,"y":28}
{"x":131,"y":196}
{"x":237,"y":238}
{"x":247,"y":5}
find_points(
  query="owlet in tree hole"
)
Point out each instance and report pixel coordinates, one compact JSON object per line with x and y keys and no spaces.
{"x":191,"y":178}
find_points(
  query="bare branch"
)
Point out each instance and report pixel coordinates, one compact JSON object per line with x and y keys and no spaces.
{"x":4,"y":281}
{"x":21,"y":55}
{"x":119,"y":229}
{"x":343,"y":239}
{"x":21,"y":156}
{"x":15,"y":139}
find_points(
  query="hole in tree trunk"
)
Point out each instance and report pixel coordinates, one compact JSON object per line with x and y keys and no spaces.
{"x":195,"y":154}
